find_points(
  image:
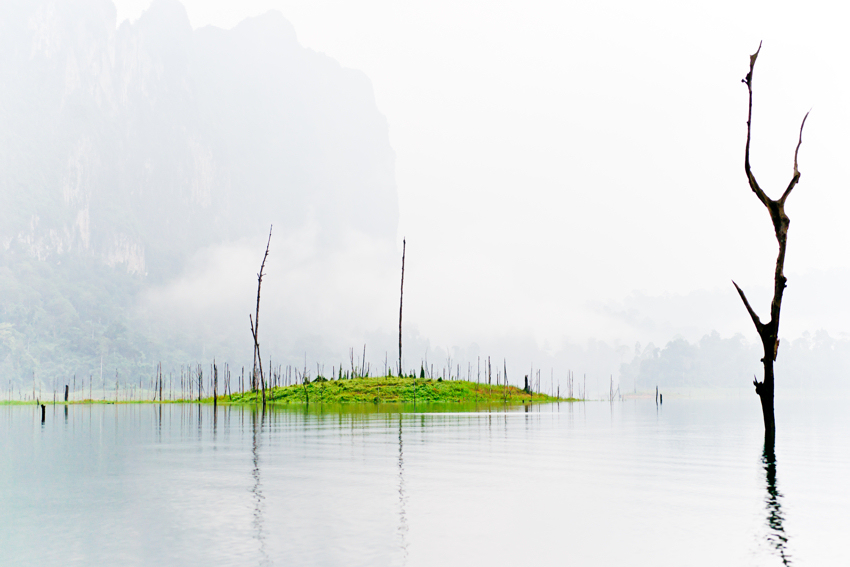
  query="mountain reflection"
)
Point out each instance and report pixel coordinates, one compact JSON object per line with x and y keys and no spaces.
{"x":776,"y":537}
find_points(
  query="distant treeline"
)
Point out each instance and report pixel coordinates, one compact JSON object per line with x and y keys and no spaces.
{"x":78,"y":318}
{"x":810,"y":362}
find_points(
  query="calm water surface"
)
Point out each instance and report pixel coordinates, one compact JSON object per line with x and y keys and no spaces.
{"x":628,"y":483}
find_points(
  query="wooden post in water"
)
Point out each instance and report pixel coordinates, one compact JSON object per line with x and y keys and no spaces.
{"x":255,"y":324}
{"x":506,"y":380}
{"x":401,"y":303}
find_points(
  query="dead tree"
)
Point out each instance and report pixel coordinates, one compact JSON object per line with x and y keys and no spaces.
{"x":769,"y":332}
{"x":255,"y":326}
{"x":401,"y":303}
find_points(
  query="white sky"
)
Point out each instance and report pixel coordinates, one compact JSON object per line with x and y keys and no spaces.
{"x":554,"y":156}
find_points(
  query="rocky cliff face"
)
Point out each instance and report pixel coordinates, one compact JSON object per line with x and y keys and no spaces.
{"x":138,"y":144}
{"x":126,"y":149}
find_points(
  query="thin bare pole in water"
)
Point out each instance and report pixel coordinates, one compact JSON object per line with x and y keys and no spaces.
{"x":255,"y":325}
{"x":401,"y":302}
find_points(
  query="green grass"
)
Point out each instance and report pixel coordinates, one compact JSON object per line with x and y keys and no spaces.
{"x":391,"y":389}
{"x":388,"y":389}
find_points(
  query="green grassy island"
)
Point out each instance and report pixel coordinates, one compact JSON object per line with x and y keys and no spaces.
{"x":389,"y":389}
{"x":359,"y":390}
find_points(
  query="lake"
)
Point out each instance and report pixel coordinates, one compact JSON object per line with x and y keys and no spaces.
{"x":596,"y":483}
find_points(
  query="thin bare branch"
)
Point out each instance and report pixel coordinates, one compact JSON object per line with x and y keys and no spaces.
{"x":401,"y":302}
{"x":799,"y":142}
{"x":255,"y":323}
{"x":748,"y":80}
{"x":796,"y":176}
{"x":759,"y":325}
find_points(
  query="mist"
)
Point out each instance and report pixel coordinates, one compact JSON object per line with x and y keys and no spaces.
{"x":569,"y":197}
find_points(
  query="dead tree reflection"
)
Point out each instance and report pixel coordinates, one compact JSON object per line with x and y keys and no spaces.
{"x":776,"y":536}
{"x":402,"y":496}
{"x":257,"y":490}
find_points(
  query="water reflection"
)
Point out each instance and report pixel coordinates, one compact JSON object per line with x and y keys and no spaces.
{"x":257,"y":490}
{"x":776,"y":536}
{"x":402,"y":497}
{"x":332,"y":488}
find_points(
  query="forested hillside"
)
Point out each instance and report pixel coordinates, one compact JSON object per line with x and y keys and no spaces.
{"x":126,"y":149}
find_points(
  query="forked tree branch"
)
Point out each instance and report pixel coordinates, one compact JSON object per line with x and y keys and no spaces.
{"x":769,"y":332}
{"x":776,"y":208}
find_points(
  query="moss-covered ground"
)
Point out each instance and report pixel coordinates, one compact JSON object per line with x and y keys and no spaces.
{"x":390,"y":389}
{"x":387,"y":389}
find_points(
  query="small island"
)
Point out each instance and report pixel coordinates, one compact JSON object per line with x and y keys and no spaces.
{"x":355,"y":390}
{"x":389,"y":389}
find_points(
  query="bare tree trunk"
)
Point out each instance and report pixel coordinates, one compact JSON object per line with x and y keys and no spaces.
{"x":255,"y":324}
{"x":401,"y":303}
{"x":505,"y":389}
{"x":769,"y":332}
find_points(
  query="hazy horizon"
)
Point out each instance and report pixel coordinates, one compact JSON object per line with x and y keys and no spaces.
{"x":505,"y":123}
{"x":567,"y":177}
